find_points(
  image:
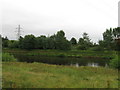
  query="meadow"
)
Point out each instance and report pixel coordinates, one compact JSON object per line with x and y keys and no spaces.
{"x":39,"y":75}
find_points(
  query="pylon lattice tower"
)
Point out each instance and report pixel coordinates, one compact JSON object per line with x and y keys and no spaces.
{"x":18,"y":32}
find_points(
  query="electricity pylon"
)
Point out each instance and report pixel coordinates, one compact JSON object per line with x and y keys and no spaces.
{"x":18,"y":32}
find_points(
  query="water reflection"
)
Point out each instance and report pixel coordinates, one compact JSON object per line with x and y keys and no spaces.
{"x":93,"y":64}
{"x":76,"y":65}
{"x":106,"y":65}
{"x":88,"y":64}
{"x":65,"y":61}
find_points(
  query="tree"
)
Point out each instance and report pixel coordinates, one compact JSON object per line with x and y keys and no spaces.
{"x":61,"y":34}
{"x":116,"y":33}
{"x":5,"y":42}
{"x":50,"y":43}
{"x":61,"y":42}
{"x":41,"y":42}
{"x":101,"y":43}
{"x":109,"y":37}
{"x":115,"y":62}
{"x":13,"y":44}
{"x":20,"y":42}
{"x":53,"y":41}
{"x":73,"y":41}
{"x":29,"y":42}
{"x":84,"y":42}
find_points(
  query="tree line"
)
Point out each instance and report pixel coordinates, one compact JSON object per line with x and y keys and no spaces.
{"x":58,"y":41}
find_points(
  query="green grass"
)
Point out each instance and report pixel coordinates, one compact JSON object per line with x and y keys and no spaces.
{"x":60,"y":53}
{"x":38,"y":75}
{"x":6,"y":57}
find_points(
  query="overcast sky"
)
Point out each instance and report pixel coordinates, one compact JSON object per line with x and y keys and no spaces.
{"x":46,"y":17}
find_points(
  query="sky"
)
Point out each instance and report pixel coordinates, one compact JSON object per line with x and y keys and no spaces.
{"x":46,"y":17}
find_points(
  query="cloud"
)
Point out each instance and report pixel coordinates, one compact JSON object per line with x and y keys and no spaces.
{"x":48,"y":16}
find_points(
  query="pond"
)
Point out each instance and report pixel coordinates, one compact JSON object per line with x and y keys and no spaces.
{"x":64,"y":60}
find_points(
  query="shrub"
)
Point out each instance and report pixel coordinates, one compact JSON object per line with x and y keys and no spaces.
{"x":6,"y":57}
{"x":97,"y":48}
{"x":81,"y":47}
{"x":115,"y":63}
{"x":61,"y":55}
{"x":13,"y":44}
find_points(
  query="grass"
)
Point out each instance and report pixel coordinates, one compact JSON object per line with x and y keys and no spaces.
{"x":59,"y":53}
{"x":6,"y":57}
{"x":38,"y":75}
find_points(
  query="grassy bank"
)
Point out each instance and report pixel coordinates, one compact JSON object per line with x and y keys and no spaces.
{"x":38,"y":75}
{"x":60,"y":53}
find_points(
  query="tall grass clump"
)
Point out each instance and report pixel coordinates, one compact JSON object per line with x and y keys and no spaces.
{"x":115,"y":62}
{"x":6,"y":57}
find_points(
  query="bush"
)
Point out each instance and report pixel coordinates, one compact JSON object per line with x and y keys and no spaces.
{"x":61,"y":55}
{"x":6,"y":57}
{"x":97,"y":48}
{"x":81,"y":47}
{"x":13,"y":44}
{"x":115,"y":63}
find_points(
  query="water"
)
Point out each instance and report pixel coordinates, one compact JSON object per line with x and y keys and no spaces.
{"x":64,"y":60}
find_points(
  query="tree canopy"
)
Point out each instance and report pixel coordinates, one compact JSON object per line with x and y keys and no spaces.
{"x":109,"y":38}
{"x":84,"y":42}
{"x":58,"y":41}
{"x":73,"y":41}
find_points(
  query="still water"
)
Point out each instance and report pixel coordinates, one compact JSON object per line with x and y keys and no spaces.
{"x":65,"y":60}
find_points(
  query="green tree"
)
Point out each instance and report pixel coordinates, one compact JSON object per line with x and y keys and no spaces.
{"x":109,"y":37}
{"x":21,"y":42}
{"x":5,"y":42}
{"x":53,"y":41}
{"x":61,"y":34}
{"x":102,"y":43}
{"x":73,"y":41}
{"x":29,"y":42}
{"x":13,"y":44}
{"x":41,"y":42}
{"x":84,"y":42}
{"x":61,"y":42}
{"x":115,"y":63}
{"x":50,"y":43}
{"x":116,"y":32}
